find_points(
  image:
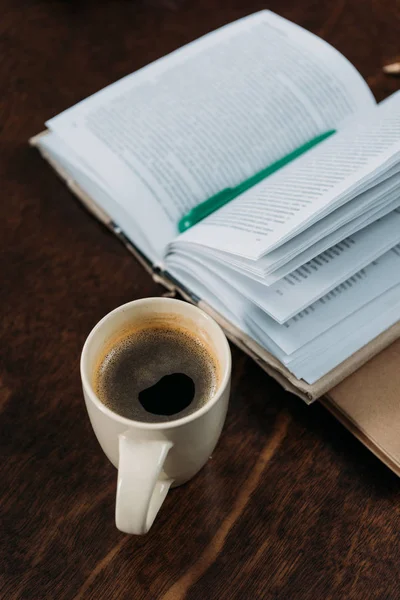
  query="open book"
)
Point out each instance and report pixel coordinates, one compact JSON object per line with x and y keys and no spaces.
{"x":303,"y":269}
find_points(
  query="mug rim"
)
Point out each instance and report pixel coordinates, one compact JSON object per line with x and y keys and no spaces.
{"x":87,"y":386}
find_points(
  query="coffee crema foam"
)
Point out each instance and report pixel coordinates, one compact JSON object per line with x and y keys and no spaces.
{"x":141,"y":358}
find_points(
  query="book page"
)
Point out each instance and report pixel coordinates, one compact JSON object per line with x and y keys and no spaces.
{"x":351,"y":254}
{"x":311,"y":187}
{"x":209,"y":116}
{"x":336,"y":269}
{"x":78,"y":174}
{"x":321,"y":355}
{"x":323,"y":273}
{"x":360,"y":289}
{"x":367,"y":324}
{"x":304,"y":286}
{"x":364,"y":222}
{"x":307,"y":245}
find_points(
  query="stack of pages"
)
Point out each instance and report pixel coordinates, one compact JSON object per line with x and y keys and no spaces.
{"x":307,"y":261}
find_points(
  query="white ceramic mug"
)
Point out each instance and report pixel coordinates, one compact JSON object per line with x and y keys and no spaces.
{"x":152,"y":457}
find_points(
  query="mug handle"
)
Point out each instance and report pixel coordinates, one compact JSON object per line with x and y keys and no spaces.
{"x":140,"y":490}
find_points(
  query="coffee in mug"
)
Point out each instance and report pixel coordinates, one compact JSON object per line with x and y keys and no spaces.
{"x":156,"y":374}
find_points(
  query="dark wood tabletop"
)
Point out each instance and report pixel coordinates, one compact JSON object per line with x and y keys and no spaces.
{"x":290,"y":506}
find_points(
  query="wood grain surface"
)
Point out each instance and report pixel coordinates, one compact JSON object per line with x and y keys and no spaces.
{"x":290,"y":506}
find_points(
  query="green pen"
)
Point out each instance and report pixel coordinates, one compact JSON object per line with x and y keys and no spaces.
{"x":198,"y":213}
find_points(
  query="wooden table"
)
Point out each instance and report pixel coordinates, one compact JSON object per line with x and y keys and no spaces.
{"x":290,"y":506}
